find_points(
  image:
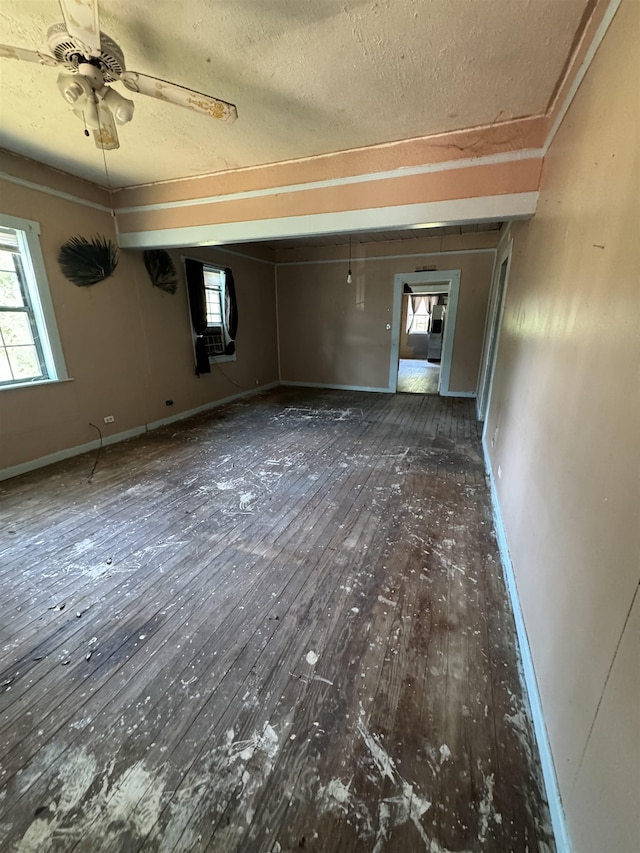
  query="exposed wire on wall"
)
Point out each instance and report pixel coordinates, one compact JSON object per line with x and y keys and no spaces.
{"x":95,"y":464}
{"x":106,"y":168}
{"x":229,"y":379}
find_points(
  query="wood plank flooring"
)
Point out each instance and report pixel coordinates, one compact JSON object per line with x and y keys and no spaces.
{"x":418,"y":376}
{"x":279,"y":626}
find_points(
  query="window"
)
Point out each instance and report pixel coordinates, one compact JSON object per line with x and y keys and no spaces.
{"x":214,"y":312}
{"x":214,"y":289}
{"x":30,"y":350}
{"x":418,"y":315}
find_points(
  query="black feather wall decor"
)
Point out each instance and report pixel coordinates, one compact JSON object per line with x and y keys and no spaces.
{"x":161,"y":270}
{"x":86,"y":262}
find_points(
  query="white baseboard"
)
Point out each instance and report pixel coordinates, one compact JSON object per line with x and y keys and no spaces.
{"x":189,"y":413}
{"x":373,"y":388}
{"x":336,"y":387}
{"x":68,"y":452}
{"x":544,"y":747}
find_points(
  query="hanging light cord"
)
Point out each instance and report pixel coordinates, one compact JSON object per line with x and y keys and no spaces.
{"x":104,"y":160}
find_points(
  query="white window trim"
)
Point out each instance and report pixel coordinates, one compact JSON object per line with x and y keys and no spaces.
{"x":41,"y":303}
{"x":217,"y":359}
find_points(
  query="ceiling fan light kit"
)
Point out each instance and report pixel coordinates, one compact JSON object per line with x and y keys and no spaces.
{"x":121,"y":107}
{"x":90,"y":59}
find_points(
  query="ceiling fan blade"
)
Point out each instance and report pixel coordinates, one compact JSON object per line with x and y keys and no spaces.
{"x":9,"y":52}
{"x":81,"y":21}
{"x":175,"y":94}
{"x":106,"y":136}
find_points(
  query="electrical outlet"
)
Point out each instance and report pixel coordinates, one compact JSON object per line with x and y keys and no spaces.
{"x":109,"y":419}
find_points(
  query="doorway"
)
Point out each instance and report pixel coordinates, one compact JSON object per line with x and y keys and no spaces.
{"x":492,"y":334}
{"x":421,"y":337}
{"x":442,"y":288}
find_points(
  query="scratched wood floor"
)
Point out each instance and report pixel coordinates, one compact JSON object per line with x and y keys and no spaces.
{"x":279,"y":626}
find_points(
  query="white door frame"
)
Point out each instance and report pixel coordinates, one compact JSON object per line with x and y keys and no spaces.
{"x":443,"y":281}
{"x":495,"y":311}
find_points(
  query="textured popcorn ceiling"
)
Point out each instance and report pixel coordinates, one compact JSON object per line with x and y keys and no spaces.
{"x":308,"y":77}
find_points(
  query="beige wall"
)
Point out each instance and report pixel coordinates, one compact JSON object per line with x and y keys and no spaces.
{"x":518,"y":176}
{"x":335,"y":334}
{"x":127,"y":345}
{"x":563,"y":431}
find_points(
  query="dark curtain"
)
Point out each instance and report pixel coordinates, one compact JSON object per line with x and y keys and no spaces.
{"x":197,"y":303}
{"x":230,"y":311}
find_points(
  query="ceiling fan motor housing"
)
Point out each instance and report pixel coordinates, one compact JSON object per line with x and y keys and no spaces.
{"x":71,"y":52}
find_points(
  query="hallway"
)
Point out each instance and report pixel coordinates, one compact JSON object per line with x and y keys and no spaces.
{"x":279,"y":625}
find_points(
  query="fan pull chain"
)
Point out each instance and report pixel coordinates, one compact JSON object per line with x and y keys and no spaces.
{"x":106,"y":170}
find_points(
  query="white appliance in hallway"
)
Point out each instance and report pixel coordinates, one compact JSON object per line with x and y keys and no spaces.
{"x":436,"y":332}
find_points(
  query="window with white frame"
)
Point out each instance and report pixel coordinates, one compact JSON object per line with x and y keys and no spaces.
{"x":214,"y":312}
{"x":214,"y":284}
{"x":418,"y":315}
{"x":30,"y":350}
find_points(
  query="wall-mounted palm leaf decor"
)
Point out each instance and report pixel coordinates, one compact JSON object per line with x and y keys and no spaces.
{"x":86,"y":262}
{"x":161,"y":270}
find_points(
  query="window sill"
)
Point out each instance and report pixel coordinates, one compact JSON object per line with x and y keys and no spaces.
{"x":37,"y":384}
{"x":218,"y":359}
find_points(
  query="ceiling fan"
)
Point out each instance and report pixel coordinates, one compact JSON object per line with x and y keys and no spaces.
{"x":92,"y":59}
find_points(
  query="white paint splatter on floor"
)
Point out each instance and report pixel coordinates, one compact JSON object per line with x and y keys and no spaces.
{"x":97,"y":806}
{"x":445,"y":753}
{"x":407,"y":804}
{"x":246,"y":500}
{"x":336,"y":796}
{"x":225,"y":485}
{"x":486,"y":807}
{"x":108,"y":804}
{"x":320,"y":678}
{"x":266,"y":742}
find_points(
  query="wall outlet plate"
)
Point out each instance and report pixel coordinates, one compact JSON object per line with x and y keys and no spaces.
{"x":109,"y":419}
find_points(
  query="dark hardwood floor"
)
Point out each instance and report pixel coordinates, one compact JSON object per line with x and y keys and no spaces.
{"x":279,"y":626}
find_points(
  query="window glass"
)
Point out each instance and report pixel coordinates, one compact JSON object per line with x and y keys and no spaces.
{"x":29,"y":345}
{"x":216,"y":333}
{"x":213,"y":290}
{"x":418,"y":316}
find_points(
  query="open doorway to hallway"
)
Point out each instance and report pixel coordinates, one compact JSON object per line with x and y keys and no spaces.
{"x":421,"y":338}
